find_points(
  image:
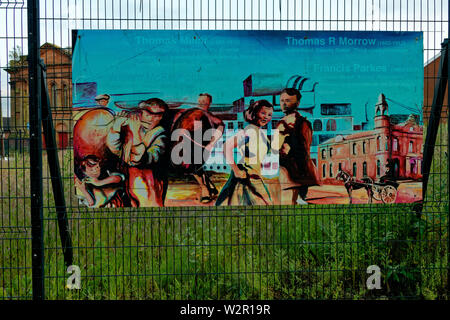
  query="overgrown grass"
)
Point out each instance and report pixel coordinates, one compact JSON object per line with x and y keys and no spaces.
{"x":283,"y":252}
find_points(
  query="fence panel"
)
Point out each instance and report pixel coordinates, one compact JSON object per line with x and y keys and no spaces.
{"x":15,"y":199}
{"x":281,"y":252}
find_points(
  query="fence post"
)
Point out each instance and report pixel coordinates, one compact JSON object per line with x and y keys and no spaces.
{"x":35,"y":111}
{"x":448,"y":155}
{"x":55,"y":172}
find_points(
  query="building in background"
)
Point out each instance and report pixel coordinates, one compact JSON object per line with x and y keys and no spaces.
{"x":431,"y":70}
{"x":58,"y":62}
{"x":366,"y":153}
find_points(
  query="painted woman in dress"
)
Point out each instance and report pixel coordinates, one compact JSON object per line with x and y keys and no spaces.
{"x":245,"y":185}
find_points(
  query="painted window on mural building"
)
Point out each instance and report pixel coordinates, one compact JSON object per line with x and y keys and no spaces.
{"x":317,"y":126}
{"x":331,"y":125}
{"x":395,"y":145}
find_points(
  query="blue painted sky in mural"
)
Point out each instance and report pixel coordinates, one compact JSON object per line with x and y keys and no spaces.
{"x":350,"y":67}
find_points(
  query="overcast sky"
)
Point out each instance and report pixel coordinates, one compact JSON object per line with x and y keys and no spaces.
{"x":58,"y":18}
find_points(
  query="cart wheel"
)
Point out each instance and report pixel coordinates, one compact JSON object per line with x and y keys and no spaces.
{"x":376,"y":192}
{"x":388,"y":194}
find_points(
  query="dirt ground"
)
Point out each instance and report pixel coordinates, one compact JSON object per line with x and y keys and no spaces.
{"x":186,"y":193}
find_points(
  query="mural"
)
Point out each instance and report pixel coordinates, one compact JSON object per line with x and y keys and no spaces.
{"x":220,"y":118}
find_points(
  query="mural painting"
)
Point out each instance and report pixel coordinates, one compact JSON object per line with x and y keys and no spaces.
{"x":224,"y":118}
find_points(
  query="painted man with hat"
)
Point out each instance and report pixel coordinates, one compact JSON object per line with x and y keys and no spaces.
{"x":139,"y":138}
{"x":102,"y":99}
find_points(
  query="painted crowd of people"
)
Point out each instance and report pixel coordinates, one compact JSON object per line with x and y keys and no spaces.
{"x":124,"y":159}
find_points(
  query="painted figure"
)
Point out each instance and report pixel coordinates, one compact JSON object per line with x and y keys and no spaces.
{"x":196,"y":121}
{"x":389,"y":174}
{"x":245,"y":185}
{"x":102,"y":99}
{"x":89,"y":135}
{"x":297,"y":171}
{"x":99,"y":188}
{"x":139,"y":139}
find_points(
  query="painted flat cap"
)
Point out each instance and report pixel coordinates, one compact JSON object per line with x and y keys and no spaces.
{"x":153,"y":107}
{"x":102,"y":96}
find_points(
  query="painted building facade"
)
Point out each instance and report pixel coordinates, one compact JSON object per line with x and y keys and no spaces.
{"x":366,"y":153}
{"x":327,"y":121}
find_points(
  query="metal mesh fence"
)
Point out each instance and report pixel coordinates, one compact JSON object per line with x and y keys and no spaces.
{"x":280,"y":252}
{"x":15,"y":225}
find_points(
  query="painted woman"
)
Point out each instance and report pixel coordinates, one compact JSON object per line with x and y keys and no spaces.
{"x":245,"y":185}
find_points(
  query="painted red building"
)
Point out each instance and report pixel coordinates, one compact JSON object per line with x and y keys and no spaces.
{"x":366,"y":153}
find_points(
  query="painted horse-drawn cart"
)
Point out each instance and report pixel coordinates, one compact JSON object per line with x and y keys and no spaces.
{"x":384,"y":190}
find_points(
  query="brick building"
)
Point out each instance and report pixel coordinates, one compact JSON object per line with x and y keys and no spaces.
{"x":59,"y":82}
{"x":366,"y":153}
{"x":431,"y":69}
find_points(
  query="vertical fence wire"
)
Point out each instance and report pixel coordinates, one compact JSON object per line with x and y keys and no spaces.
{"x":281,"y":252}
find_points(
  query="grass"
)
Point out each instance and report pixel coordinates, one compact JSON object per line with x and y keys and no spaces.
{"x":282,"y":252}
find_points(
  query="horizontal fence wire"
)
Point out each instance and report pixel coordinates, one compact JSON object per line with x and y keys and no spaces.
{"x":279,"y":252}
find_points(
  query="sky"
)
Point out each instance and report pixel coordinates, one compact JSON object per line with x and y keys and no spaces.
{"x":350,"y":67}
{"x":58,"y":18}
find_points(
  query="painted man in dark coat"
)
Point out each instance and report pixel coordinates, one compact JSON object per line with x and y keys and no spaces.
{"x":297,"y":171}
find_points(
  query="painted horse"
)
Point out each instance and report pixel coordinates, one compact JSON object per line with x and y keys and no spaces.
{"x":351,"y":184}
